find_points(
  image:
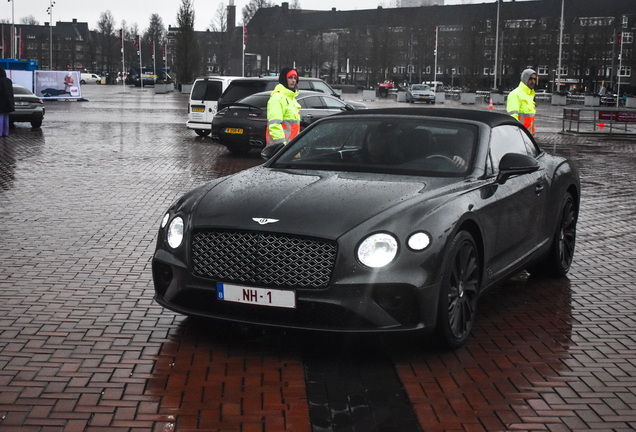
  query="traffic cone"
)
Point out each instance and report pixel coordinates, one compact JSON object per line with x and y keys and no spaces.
{"x":490,"y":106}
{"x":601,"y":126}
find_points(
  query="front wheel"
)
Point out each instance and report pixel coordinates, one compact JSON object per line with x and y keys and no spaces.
{"x":459,"y":291}
{"x":202,"y":132}
{"x":562,"y":250}
{"x":36,"y":124}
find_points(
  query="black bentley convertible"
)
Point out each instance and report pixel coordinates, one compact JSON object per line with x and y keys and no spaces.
{"x":372,"y":221}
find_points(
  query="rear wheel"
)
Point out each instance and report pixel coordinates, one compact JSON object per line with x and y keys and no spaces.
{"x":36,"y":123}
{"x":202,"y":132}
{"x":459,"y":291}
{"x":562,"y":251}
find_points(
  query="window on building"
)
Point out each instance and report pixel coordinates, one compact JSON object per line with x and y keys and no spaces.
{"x":543,"y":69}
{"x":566,"y":38}
{"x":564,"y":70}
{"x":490,"y":40}
{"x":546,"y":39}
{"x":628,"y":37}
{"x":625,"y":21}
{"x":625,"y":71}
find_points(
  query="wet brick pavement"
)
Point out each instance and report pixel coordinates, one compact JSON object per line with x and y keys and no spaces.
{"x":84,"y":348}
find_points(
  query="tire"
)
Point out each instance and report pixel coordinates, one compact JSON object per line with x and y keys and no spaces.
{"x":202,"y":132}
{"x":562,"y":251}
{"x":459,"y":291}
{"x":36,"y":124}
{"x":82,"y":82}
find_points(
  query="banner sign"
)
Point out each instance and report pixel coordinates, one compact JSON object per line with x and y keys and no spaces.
{"x":618,"y":116}
{"x":57,"y":84}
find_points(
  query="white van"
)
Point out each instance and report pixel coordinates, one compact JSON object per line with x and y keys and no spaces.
{"x":203,"y":102}
{"x":89,"y":78}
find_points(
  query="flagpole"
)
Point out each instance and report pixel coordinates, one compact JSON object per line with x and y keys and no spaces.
{"x":12,"y":29}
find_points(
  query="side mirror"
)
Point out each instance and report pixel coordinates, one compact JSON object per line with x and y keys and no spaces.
{"x":269,"y":151}
{"x":515,"y":164}
{"x":349,"y":107}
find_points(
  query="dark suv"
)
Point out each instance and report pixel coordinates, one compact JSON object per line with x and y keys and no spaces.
{"x":243,"y":87}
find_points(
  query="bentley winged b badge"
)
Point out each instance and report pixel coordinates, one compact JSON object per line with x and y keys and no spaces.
{"x":264,"y":221}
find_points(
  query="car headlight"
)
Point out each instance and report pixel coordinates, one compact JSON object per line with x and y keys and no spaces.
{"x":377,"y":250}
{"x":419,"y":241}
{"x":164,"y":221}
{"x":175,"y":232}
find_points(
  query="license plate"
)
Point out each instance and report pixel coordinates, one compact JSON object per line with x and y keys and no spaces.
{"x":256,"y":296}
{"x":233,"y":130}
{"x":198,"y":109}
{"x":20,"y":103}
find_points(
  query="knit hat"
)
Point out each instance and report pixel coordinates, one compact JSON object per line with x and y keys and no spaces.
{"x":284,"y":73}
{"x":526,"y":74}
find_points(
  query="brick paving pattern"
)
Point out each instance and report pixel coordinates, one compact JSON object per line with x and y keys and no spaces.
{"x":84,"y":348}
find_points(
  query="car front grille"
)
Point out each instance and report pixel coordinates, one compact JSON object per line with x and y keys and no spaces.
{"x":263,"y":259}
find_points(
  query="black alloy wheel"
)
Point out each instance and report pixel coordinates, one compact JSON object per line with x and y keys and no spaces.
{"x":562,"y":252}
{"x":459,"y":291}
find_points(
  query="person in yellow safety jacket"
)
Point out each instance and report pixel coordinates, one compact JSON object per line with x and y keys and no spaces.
{"x":283,"y":112}
{"x":521,"y":103}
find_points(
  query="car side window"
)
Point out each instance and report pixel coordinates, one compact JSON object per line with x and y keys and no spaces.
{"x":530,"y":145}
{"x":304,"y":85}
{"x":314,"y":102}
{"x":322,"y":87}
{"x":505,"y":139}
{"x":331,"y":103}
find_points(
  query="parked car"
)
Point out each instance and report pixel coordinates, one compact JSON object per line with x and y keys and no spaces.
{"x":90,"y":78}
{"x":240,"y":88}
{"x":29,"y":108}
{"x":242,"y":125}
{"x":202,"y":105}
{"x":324,"y":237}
{"x":420,"y":93}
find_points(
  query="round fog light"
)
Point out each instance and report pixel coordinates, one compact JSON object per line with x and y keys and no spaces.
{"x":419,"y":241}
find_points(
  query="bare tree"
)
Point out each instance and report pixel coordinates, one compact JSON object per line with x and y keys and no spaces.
{"x":250,"y":9}
{"x":219,"y":22}
{"x":106,"y":29}
{"x":29,"y":20}
{"x":187,"y":56}
{"x":156,"y":33}
{"x":295,"y":4}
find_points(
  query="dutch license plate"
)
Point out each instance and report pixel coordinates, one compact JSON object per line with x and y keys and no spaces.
{"x":233,"y":130}
{"x":198,"y":109}
{"x":21,"y":103}
{"x":256,"y":296}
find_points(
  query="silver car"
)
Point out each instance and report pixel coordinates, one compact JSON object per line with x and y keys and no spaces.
{"x":28,"y":107}
{"x":420,"y":93}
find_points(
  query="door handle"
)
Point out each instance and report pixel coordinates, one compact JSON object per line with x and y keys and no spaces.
{"x":539,"y":188}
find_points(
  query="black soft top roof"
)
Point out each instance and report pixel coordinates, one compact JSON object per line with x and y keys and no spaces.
{"x":492,"y":119}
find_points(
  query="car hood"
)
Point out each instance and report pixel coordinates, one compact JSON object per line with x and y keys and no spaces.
{"x":313,"y":203}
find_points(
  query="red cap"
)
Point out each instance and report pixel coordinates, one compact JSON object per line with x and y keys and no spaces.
{"x":292,"y":72}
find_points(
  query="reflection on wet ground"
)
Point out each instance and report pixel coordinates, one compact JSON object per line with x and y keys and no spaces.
{"x":84,"y":347}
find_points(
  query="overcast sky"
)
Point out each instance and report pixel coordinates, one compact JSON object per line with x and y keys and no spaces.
{"x":139,"y":11}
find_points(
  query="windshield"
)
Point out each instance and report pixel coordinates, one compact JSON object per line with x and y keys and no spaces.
{"x":420,"y":87}
{"x":399,"y":145}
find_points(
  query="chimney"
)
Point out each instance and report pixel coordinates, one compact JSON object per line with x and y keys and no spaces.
{"x":231,"y":16}
{"x":285,"y":6}
{"x":74,"y":21}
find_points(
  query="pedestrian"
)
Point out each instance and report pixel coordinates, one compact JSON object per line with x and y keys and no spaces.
{"x":283,"y":112}
{"x":521,"y":104}
{"x":6,"y":102}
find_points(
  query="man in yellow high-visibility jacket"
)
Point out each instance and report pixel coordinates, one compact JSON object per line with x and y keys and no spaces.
{"x":521,"y":103}
{"x":283,"y":112}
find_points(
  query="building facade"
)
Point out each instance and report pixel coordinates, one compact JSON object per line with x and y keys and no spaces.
{"x":460,"y":45}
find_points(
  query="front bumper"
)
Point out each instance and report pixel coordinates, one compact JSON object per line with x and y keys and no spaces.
{"x":341,"y":307}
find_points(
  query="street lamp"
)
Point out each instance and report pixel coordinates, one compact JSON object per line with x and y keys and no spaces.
{"x":50,"y":11}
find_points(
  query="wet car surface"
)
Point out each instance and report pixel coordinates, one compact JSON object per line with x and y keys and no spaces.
{"x":84,"y":347}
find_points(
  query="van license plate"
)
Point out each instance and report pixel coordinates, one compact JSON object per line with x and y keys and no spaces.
{"x":198,"y":109}
{"x":233,"y":130}
{"x":256,"y":296}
